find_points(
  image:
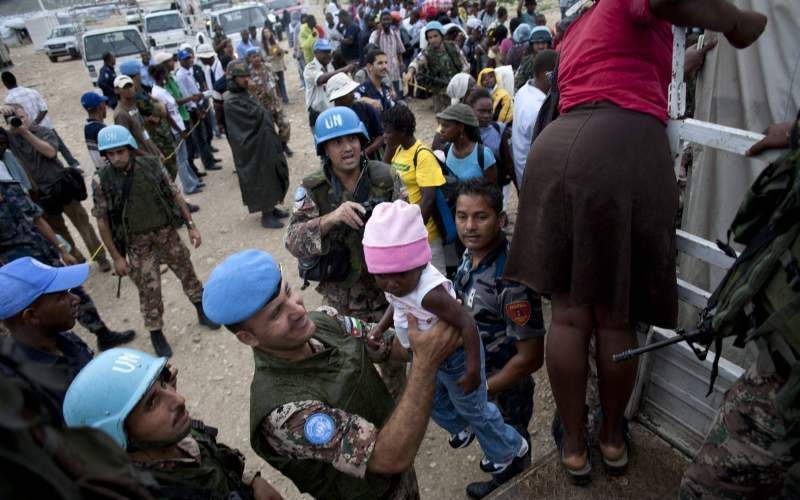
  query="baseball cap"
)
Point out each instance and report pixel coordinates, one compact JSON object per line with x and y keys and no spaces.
{"x":240,"y":285}
{"x":184,"y":55}
{"x":24,"y":280}
{"x":130,"y":68}
{"x":205,"y":51}
{"x":121,"y":81}
{"x":339,"y":85}
{"x":323,"y":44}
{"x":185,"y":46}
{"x":90,"y":100}
{"x":161,"y":57}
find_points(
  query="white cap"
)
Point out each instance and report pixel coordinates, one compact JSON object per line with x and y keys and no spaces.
{"x":205,"y":51}
{"x":121,"y":81}
{"x":185,"y":46}
{"x":339,"y":85}
{"x":161,"y":57}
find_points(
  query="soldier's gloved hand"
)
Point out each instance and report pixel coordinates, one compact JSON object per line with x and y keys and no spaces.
{"x":121,"y":266}
{"x":349,"y":213}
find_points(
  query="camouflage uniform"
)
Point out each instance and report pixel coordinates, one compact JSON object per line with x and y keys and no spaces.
{"x":505,"y":313}
{"x":435,"y":68}
{"x":147,"y":250}
{"x":524,"y":72}
{"x":20,"y":238}
{"x":265,"y":93}
{"x":353,"y":440}
{"x":745,"y":454}
{"x":160,"y":133}
{"x":362,"y":298}
{"x":207,"y":469}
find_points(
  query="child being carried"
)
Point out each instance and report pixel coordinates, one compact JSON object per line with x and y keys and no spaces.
{"x":397,"y":254}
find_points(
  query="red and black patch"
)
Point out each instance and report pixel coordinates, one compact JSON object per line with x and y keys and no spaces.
{"x":519,"y":312}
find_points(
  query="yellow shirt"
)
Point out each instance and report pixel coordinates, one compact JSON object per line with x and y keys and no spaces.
{"x":427,"y":173}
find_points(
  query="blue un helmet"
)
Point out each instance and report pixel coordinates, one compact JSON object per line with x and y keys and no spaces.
{"x":108,"y":388}
{"x":113,"y":137}
{"x":337,"y":122}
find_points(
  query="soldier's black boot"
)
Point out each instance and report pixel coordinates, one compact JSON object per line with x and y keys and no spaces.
{"x":106,"y":339}
{"x":160,"y":344}
{"x":202,"y":318}
{"x":269,"y":221}
{"x":280,"y":213}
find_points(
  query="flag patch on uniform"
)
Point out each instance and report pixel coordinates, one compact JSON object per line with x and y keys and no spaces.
{"x":519,"y":312}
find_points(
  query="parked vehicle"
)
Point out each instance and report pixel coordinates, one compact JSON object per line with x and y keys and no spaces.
{"x":238,"y":18}
{"x":166,"y":30}
{"x":125,"y":42}
{"x":63,"y":41}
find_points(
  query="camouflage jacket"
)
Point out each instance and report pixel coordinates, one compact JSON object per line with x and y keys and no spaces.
{"x":18,"y":234}
{"x":359,"y":297}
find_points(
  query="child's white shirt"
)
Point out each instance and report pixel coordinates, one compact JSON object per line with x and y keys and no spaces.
{"x":412,"y":303}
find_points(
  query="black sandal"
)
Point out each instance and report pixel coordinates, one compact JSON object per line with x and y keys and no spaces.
{"x":580,"y":477}
{"x":619,"y":466}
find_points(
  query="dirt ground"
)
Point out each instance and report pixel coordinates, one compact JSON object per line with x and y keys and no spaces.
{"x":215,"y":369}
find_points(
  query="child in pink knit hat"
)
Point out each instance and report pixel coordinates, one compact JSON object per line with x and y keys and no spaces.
{"x":397,"y":254}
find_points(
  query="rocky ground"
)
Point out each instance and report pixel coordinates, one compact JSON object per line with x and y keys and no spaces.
{"x":215,"y":369}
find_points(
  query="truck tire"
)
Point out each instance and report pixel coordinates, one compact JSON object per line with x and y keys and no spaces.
{"x":53,"y":58}
{"x":74,"y":54}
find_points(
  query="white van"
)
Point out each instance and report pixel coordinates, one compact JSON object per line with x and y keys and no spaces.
{"x":241,"y":17}
{"x":166,"y":30}
{"x":125,"y":42}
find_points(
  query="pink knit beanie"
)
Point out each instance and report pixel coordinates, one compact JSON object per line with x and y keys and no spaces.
{"x":395,"y":239}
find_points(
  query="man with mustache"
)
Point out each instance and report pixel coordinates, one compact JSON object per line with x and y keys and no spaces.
{"x":131,"y":396}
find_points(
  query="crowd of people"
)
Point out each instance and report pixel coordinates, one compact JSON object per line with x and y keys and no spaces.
{"x":403,"y":236}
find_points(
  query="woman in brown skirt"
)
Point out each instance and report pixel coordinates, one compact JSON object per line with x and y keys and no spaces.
{"x":595,"y":229}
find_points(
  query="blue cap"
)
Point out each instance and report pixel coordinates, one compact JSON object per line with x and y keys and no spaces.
{"x":240,"y":286}
{"x":184,"y":55}
{"x":90,"y":100}
{"x":24,"y":280}
{"x":434,"y":25}
{"x":252,"y":50}
{"x":130,"y":68}
{"x":323,"y":44}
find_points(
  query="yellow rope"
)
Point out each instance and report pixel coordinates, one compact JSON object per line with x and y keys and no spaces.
{"x":177,"y":146}
{"x":94,"y":255}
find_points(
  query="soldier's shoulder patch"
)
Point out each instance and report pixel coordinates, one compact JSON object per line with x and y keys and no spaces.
{"x":319,"y":429}
{"x":519,"y":312}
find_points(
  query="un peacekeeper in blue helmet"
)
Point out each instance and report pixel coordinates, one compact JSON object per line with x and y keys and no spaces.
{"x":330,"y":209}
{"x":319,"y":412}
{"x":132,"y":397}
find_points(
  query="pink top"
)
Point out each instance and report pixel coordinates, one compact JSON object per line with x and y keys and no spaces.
{"x":619,"y":52}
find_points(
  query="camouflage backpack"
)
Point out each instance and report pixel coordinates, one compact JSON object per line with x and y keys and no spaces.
{"x":759,"y":297}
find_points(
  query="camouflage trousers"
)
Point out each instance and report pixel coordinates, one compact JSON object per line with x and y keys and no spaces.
{"x":745,"y":455}
{"x":393,"y":373}
{"x":146,"y":252}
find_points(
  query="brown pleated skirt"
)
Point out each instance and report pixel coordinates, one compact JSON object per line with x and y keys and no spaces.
{"x":597,"y":213}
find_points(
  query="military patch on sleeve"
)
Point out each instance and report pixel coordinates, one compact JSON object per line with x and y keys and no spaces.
{"x":319,"y":429}
{"x":519,"y":312}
